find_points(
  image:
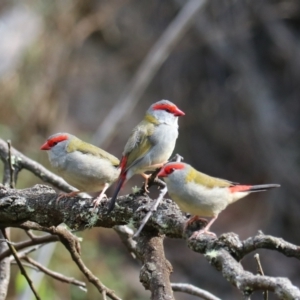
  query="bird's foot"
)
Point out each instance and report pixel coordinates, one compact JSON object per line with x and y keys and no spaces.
{"x":194,"y":223}
{"x":97,"y":201}
{"x":102,"y":195}
{"x":196,"y":234}
{"x":205,"y":230}
{"x":194,"y":219}
{"x":146,"y":176}
{"x":67,"y":195}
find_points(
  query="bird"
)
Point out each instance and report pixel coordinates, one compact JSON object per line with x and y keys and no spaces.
{"x":150,"y":144}
{"x":83,"y":165}
{"x":202,"y":195}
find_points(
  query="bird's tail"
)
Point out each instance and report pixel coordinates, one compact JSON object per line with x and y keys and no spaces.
{"x":120,"y":183}
{"x":253,"y":188}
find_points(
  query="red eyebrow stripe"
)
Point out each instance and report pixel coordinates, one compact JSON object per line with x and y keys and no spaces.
{"x":160,"y":106}
{"x":58,"y":138}
{"x":176,"y":166}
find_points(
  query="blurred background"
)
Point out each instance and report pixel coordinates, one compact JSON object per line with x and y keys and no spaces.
{"x":65,"y":65}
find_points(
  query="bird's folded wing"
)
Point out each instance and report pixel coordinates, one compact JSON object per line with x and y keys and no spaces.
{"x":138,"y":144}
{"x":89,"y":149}
{"x":207,"y":181}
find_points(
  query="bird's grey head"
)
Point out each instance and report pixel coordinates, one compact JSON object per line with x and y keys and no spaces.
{"x":165,"y":111}
{"x":56,"y":143}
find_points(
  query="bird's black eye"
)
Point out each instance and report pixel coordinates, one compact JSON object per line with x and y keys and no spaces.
{"x":167,"y":110}
{"x":52,"y":143}
{"x":170,"y":170}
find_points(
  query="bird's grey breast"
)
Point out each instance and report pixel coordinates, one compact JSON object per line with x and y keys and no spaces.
{"x":164,"y":140}
{"x":57,"y":159}
{"x":195,"y":198}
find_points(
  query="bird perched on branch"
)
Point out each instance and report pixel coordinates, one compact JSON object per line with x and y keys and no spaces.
{"x":203,"y":195}
{"x":83,"y":165}
{"x":150,"y":144}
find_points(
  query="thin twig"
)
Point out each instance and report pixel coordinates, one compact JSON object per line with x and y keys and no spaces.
{"x":104,"y":295}
{"x":4,"y":270}
{"x":147,"y":70}
{"x":11,"y":167}
{"x":6,"y":173}
{"x":25,"y":264}
{"x":153,"y":180}
{"x":125,"y":234}
{"x":150,"y":212}
{"x":27,"y":251}
{"x":261,"y":272}
{"x":22,"y":269}
{"x":193,"y":290}
{"x":35,"y":241}
{"x":53,"y":274}
{"x":30,"y":234}
{"x":72,"y":245}
{"x":8,"y":242}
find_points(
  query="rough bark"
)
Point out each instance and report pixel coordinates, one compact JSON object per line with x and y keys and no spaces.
{"x":38,"y":209}
{"x":156,"y":269}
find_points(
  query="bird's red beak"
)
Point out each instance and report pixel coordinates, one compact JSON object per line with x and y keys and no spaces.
{"x":162,"y":173}
{"x":178,"y":113}
{"x":45,"y":146}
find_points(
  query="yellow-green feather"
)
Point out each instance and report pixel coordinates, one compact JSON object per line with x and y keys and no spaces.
{"x":79,"y":145}
{"x":205,"y":180}
{"x":139,"y":143}
{"x":151,"y":119}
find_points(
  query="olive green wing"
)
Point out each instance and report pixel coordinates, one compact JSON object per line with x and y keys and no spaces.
{"x":206,"y":180}
{"x":90,"y":149}
{"x":138,"y":144}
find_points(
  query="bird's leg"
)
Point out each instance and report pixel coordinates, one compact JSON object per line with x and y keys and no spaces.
{"x":102,"y":195}
{"x":155,"y":166}
{"x":192,"y":220}
{"x":205,"y":229}
{"x":146,"y":176}
{"x":67,"y":195}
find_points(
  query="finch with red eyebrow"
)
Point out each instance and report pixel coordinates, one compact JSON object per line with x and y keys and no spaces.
{"x":202,"y":195}
{"x":150,"y":144}
{"x":83,"y":165}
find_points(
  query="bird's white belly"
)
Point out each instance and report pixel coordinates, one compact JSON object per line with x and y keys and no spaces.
{"x":199,"y":200}
{"x":88,"y":174}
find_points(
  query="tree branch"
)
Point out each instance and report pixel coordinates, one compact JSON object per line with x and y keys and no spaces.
{"x":193,"y":290}
{"x":4,"y":270}
{"x":38,"y":205}
{"x":53,"y":274}
{"x":72,"y":244}
{"x":155,"y":272}
{"x":32,"y":242}
{"x":22,"y":270}
{"x":270,"y":242}
{"x":221,"y":252}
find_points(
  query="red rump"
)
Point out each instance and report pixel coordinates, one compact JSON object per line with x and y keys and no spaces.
{"x":240,"y":188}
{"x":123,"y":164}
